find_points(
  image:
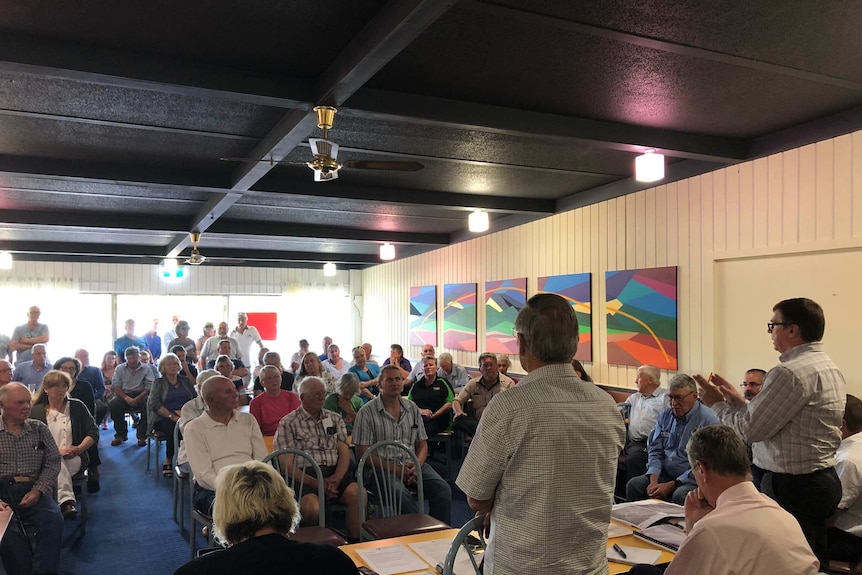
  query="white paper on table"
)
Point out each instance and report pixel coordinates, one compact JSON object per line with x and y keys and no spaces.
{"x":615,"y":530}
{"x":391,"y":559}
{"x":434,"y":552}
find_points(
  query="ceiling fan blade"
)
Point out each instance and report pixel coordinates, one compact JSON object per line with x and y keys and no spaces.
{"x":399,"y":166}
{"x":272,"y":162}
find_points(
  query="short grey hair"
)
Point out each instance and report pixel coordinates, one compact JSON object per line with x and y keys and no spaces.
{"x":39,"y":346}
{"x":720,"y":449}
{"x":549,"y":328}
{"x":429,"y":358}
{"x":348,"y":383}
{"x":208,"y":388}
{"x":651,"y":372}
{"x":683,"y":380}
{"x":270,"y":354}
{"x":303,"y":383}
{"x":445,"y":356}
{"x":268,"y":368}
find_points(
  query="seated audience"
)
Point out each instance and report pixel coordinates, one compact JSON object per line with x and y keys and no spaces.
{"x":169,"y":393}
{"x":30,"y":461}
{"x":504,"y":363}
{"x":390,"y":416}
{"x":366,"y":373}
{"x":396,"y":358}
{"x":210,"y":348}
{"x":345,"y":401}
{"x":327,"y":341}
{"x":221,"y":436}
{"x":644,"y":406}
{"x":131,"y":385}
{"x":845,"y":533}
{"x":368,"y":357}
{"x":322,"y":434}
{"x":254,"y":514}
{"x":731,"y":528}
{"x":418,"y":371}
{"x":478,"y":393}
{"x":296,"y":358}
{"x":186,"y":368}
{"x":312,"y":367}
{"x":233,"y":369}
{"x":31,"y":372}
{"x":74,"y":431}
{"x":334,"y":364}
{"x":273,"y":358}
{"x":274,"y":403}
{"x":581,"y":372}
{"x":433,"y":395}
{"x":84,"y":392}
{"x":668,"y":473}
{"x":192,"y":410}
{"x":455,"y":374}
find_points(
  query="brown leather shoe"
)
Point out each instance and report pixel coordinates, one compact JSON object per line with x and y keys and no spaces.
{"x":118,"y":440}
{"x":142,"y":442}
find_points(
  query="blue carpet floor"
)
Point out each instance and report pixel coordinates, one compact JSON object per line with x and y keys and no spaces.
{"x":130,"y":529}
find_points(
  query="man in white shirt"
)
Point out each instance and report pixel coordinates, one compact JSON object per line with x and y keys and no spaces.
{"x":245,"y":335}
{"x":644,"y":407}
{"x":731,"y":527}
{"x":845,"y":535}
{"x":220,"y":437}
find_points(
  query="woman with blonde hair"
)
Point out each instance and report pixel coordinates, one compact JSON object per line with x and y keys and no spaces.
{"x":311,"y":366}
{"x":73,"y":428}
{"x":254,"y":514}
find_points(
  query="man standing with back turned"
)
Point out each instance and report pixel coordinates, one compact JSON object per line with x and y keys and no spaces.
{"x":543,"y":461}
{"x":794,"y":423}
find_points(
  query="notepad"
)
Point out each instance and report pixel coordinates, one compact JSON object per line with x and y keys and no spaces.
{"x":634,"y":556}
{"x":667,"y":535}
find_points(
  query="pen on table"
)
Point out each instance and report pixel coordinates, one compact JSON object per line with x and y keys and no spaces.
{"x":619,"y":550}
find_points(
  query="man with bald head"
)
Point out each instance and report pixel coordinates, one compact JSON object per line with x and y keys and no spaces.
{"x":29,"y":465}
{"x":221,"y":436}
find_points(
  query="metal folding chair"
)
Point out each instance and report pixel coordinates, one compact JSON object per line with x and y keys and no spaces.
{"x":463,"y":541}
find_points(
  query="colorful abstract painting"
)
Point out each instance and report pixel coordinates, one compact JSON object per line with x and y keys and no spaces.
{"x":575,"y":288}
{"x":423,"y":315}
{"x":503,"y":300}
{"x":459,"y":317}
{"x":641,"y":312}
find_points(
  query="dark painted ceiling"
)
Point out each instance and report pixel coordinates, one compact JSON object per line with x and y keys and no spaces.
{"x":114,"y":117}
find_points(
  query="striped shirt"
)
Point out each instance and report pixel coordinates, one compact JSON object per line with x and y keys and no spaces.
{"x":33,"y":453}
{"x":317,"y":436}
{"x":546,"y":452}
{"x":794,"y":423}
{"x":374,"y":423}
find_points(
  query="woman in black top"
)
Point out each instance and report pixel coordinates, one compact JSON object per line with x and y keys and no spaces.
{"x":255,"y":513}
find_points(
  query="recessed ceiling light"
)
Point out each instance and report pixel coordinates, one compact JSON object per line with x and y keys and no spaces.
{"x":329,"y":269}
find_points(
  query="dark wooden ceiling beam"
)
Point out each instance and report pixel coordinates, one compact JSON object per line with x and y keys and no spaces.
{"x":425,"y":110}
{"x":266,"y":230}
{"x":49,"y":58}
{"x":391,"y":30}
{"x":89,"y":258}
{"x":662,"y":45}
{"x":437,"y":199}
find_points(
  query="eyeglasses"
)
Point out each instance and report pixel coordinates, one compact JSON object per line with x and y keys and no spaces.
{"x":771,"y":325}
{"x":750,"y":384}
{"x":678,"y":398}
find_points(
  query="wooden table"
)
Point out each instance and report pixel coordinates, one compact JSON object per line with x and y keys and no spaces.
{"x":628,"y":540}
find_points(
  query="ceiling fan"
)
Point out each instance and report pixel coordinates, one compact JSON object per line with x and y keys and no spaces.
{"x":197,"y":258}
{"x":325,"y":165}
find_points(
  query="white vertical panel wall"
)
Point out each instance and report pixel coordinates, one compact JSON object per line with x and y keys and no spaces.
{"x":801,"y":201}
